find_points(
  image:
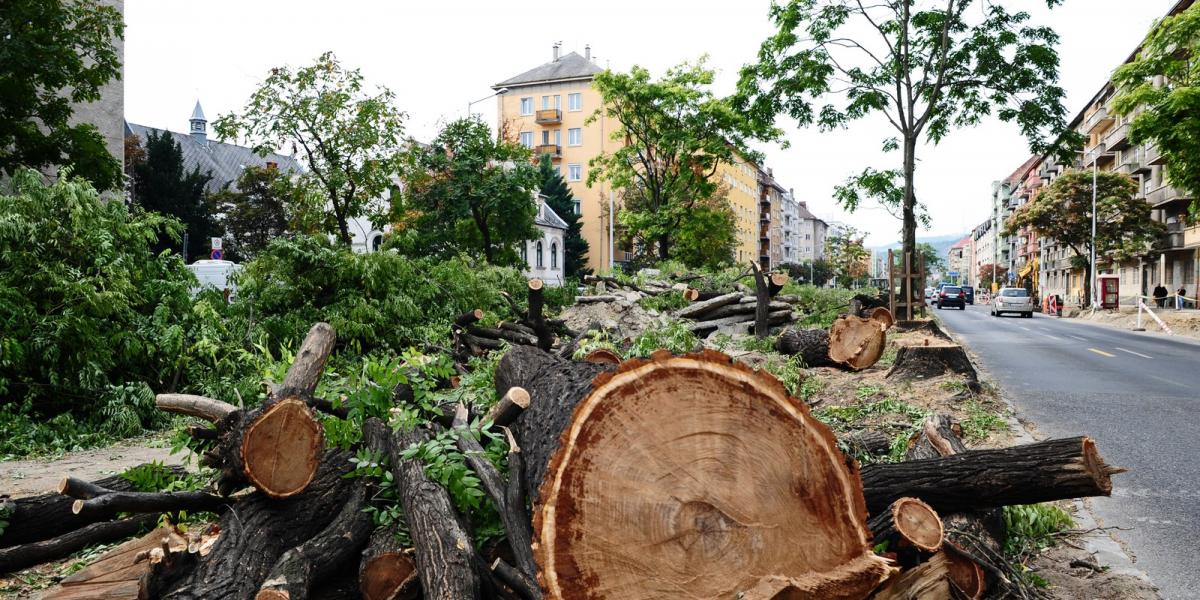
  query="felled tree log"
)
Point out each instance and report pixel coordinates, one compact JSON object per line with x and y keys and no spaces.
{"x":1028,"y":474}
{"x":37,"y":518}
{"x":535,"y":316}
{"x":469,"y":318}
{"x":773,"y":318}
{"x":747,"y":309}
{"x":495,"y":333}
{"x":651,"y":459}
{"x":939,"y":436}
{"x":108,"y":503}
{"x":698,"y":309}
{"x":595,"y":299}
{"x":928,"y":581}
{"x":924,"y":362}
{"x":855,"y":342}
{"x":387,"y":572}
{"x":869,"y":442}
{"x":775,"y":283}
{"x":603,"y":356}
{"x":907,"y":523}
{"x":250,"y":540}
{"x":812,"y":345}
{"x":445,"y":556}
{"x":15,"y":558}
{"x":508,"y":407}
{"x":762,"y":309}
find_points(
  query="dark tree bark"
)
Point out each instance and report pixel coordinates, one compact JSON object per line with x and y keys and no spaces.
{"x":387,"y":572}
{"x":699,"y":309}
{"x":1039,"y":472}
{"x":869,"y":442}
{"x":762,"y":310}
{"x":15,"y":558}
{"x":812,"y":345}
{"x":46,"y":516}
{"x":925,"y":362}
{"x":909,"y":527}
{"x":107,"y":505}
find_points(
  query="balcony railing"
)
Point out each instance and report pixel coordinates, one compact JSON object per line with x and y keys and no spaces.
{"x":1175,"y":240}
{"x":1164,"y":195}
{"x":1154,"y":156}
{"x":548,"y":116}
{"x":1118,"y":138}
{"x":554,"y":151}
{"x":1098,"y":120}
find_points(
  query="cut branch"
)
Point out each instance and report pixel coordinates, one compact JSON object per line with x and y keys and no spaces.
{"x":194,"y":406}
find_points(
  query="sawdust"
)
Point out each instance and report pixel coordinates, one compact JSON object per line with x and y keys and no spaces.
{"x":624,"y":318}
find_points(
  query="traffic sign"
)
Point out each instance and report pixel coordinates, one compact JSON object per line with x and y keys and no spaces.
{"x":216,"y":243}
{"x":216,"y":254}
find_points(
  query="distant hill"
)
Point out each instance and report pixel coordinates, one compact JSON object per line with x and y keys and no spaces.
{"x":941,"y":243}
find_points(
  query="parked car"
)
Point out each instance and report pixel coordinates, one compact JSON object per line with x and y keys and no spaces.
{"x":1012,"y":300}
{"x":969,"y":294}
{"x":951,"y":295}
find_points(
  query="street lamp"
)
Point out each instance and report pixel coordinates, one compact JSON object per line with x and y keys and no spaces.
{"x":1096,"y":154}
{"x":497,"y":93}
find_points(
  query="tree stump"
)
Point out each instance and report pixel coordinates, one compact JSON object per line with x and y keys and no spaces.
{"x":925,"y":362}
{"x":856,"y":342}
{"x":689,"y":473}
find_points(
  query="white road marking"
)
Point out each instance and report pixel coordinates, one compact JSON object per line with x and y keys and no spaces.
{"x":1053,"y":337}
{"x":1134,"y":353}
{"x":1077,"y":337}
{"x":1164,"y":380}
{"x":1024,"y":327}
{"x":1103,"y":353}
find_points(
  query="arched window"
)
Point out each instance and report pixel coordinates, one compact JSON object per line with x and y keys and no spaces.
{"x":538,"y":252}
{"x":554,"y":256}
{"x":376,"y":242}
{"x":524,"y":253}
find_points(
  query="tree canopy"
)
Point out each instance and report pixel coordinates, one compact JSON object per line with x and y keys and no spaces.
{"x":56,"y":53}
{"x":848,"y":255}
{"x":926,"y":67}
{"x":265,"y":204}
{"x":1063,"y":211}
{"x":562,"y":202}
{"x":161,"y":184}
{"x":1163,"y":82}
{"x":467,"y":192}
{"x":673,"y":134}
{"x":351,"y":140}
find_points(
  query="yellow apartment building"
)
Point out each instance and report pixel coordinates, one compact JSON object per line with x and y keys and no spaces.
{"x":546,"y":109}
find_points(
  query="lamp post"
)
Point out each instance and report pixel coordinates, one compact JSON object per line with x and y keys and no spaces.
{"x":1100,"y":150}
{"x":496,"y":93}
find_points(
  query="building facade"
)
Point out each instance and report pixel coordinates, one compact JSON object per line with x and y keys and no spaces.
{"x":545,"y":256}
{"x":740,"y":181}
{"x":810,"y":234}
{"x":958,"y":259}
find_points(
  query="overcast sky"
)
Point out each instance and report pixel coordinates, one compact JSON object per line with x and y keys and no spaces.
{"x":439,"y":55}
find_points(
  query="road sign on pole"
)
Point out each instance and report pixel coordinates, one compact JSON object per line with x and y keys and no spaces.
{"x":216,"y":243}
{"x":216,"y":254}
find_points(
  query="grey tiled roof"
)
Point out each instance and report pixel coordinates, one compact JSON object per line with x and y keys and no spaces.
{"x":223,"y":161}
{"x":547,"y":217}
{"x":570,"y":66}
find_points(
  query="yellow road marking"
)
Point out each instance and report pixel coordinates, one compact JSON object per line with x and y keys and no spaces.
{"x":1103,"y":353}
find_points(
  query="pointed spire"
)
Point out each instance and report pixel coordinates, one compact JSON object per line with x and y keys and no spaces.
{"x":199,"y":124}
{"x":198,"y":113}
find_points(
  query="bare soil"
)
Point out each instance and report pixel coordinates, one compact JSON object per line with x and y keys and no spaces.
{"x":41,"y":475}
{"x":1185,"y":323}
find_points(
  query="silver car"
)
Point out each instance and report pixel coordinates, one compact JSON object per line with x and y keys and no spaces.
{"x":1012,"y":300}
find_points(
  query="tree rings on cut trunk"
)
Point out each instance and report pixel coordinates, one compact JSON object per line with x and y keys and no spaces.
{"x":602,"y":356}
{"x":693,"y":473}
{"x":281,"y":449}
{"x":856,"y":342}
{"x":389,"y":576}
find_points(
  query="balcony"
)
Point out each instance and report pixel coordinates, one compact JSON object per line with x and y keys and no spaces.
{"x":1154,"y":156}
{"x":548,"y":116}
{"x":1099,"y":120}
{"x":764,"y":217}
{"x":1164,"y":195}
{"x":1118,"y":138}
{"x":1175,"y":240}
{"x":554,"y":151}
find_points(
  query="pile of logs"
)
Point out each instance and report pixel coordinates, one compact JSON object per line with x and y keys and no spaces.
{"x":758,"y":309}
{"x":533,"y":328}
{"x":852,"y":342}
{"x":674,"y":476}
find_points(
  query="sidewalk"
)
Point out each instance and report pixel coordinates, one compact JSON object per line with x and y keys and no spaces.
{"x":1183,"y":323}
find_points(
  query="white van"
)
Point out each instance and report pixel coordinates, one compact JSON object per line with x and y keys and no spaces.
{"x":215,"y":273}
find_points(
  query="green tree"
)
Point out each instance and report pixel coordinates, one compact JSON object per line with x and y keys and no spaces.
{"x":259,"y":209}
{"x":925,"y":67}
{"x":1063,"y":211}
{"x":674,"y":134}
{"x":351,"y":140}
{"x":1163,"y":82}
{"x":161,"y":184}
{"x":707,"y":238}
{"x":933,"y":260}
{"x":848,"y":255}
{"x":56,"y":53}
{"x":562,"y":201}
{"x":989,"y":274}
{"x":816,"y":272}
{"x":467,"y":192}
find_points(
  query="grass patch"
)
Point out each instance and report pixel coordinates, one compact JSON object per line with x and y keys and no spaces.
{"x":980,"y":421}
{"x":673,"y":335}
{"x":811,"y":386}
{"x":955,"y":385}
{"x":757,"y":344}
{"x":792,"y":375}
{"x":888,"y":358}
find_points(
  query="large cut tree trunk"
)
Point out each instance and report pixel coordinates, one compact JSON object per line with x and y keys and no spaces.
{"x":685,"y":473}
{"x":811,"y":345}
{"x":1040,"y":472}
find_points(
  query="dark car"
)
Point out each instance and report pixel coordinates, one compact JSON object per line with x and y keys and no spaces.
{"x":969,"y":294}
{"x":952,"y":295}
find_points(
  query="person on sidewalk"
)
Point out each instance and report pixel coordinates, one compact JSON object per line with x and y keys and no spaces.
{"x":1160,"y":295}
{"x":1179,"y":296}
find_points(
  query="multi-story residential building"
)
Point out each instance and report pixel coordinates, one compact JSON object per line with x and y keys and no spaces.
{"x":983,"y":250}
{"x":958,"y":259}
{"x":788,"y":225}
{"x":770,"y":214}
{"x":740,"y":181}
{"x":810,"y":234}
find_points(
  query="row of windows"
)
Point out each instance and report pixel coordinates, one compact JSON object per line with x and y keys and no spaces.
{"x":574,"y":103}
{"x":537,"y":252}
{"x":574,"y":137}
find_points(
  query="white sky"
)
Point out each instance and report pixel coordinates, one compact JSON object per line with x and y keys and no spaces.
{"x":437,"y":56}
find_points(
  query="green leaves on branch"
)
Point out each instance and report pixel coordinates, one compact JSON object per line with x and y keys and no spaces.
{"x":847,"y":253}
{"x":350,"y":138}
{"x":885,"y":187}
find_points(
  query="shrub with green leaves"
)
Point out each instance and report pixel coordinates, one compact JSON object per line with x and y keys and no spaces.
{"x":672,"y":335}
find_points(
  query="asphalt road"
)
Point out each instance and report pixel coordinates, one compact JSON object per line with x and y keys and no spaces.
{"x":1137,"y":395}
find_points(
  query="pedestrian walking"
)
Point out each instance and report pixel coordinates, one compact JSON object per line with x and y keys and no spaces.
{"x":1179,"y":296}
{"x":1160,"y":295}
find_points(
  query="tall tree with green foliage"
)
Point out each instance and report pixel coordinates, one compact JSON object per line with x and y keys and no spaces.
{"x":816,"y":272}
{"x":673,"y":134}
{"x":467,"y":192}
{"x":847,"y":253}
{"x":1063,"y":211}
{"x":562,"y":202}
{"x":56,"y":53}
{"x":933,"y":260}
{"x":1163,"y":82}
{"x":350,"y":139}
{"x":261,"y":207}
{"x":161,"y":184}
{"x":926,"y":67}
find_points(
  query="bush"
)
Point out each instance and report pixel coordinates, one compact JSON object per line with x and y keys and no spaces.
{"x":91,"y":316}
{"x":819,"y":307}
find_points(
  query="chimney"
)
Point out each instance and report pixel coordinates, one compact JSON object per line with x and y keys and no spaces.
{"x":556,"y":47}
{"x":587,"y":52}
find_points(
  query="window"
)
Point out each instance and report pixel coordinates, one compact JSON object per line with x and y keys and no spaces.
{"x":545,"y":102}
{"x":545,"y":137}
{"x":538,"y":253}
{"x":578,"y":208}
{"x":524,"y":253}
{"x":527,"y":139}
{"x":574,"y":102}
{"x":557,"y":137}
{"x":376,"y":242}
{"x":558,"y":103}
{"x":575,"y":137}
{"x":574,"y":172}
{"x":527,"y":106}
{"x":553,"y":255}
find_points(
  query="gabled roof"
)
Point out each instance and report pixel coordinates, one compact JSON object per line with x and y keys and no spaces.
{"x":569,"y":67}
{"x":224,"y":162}
{"x":962,"y":243}
{"x":546,"y":216}
{"x":1021,"y":171}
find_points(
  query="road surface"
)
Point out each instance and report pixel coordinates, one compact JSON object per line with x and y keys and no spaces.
{"x":1137,"y":394}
